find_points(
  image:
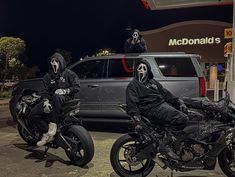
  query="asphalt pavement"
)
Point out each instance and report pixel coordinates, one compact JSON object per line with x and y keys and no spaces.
{"x":19,"y":160}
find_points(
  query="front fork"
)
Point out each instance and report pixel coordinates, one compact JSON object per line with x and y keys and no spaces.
{"x":63,"y":142}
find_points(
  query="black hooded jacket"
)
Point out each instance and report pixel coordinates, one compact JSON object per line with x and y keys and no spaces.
{"x":64,"y":79}
{"x":142,"y":97}
{"x":136,"y":48}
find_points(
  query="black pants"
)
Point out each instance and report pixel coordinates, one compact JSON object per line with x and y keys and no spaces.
{"x":167,"y":116}
{"x":37,"y":114}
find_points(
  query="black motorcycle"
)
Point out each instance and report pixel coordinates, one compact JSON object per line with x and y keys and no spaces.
{"x":71,"y":136}
{"x":209,"y":135}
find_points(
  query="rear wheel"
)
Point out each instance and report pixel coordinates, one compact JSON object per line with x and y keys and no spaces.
{"x":227,"y":162}
{"x":123,"y":158}
{"x":82,"y":145}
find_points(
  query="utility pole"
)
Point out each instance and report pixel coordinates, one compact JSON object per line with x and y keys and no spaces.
{"x":231,"y":79}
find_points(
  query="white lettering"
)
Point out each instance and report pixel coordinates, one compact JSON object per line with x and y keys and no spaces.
{"x":211,"y":40}
{"x":196,"y":41}
{"x":172,"y":42}
{"x":217,"y":40}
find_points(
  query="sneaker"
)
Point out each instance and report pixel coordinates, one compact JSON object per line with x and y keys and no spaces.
{"x":44,"y":140}
{"x":52,"y":127}
{"x":169,"y":152}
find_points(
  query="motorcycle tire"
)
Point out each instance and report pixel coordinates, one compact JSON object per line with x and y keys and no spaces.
{"x":116,"y":162}
{"x":84,"y":144}
{"x":26,"y":137}
{"x":224,"y":158}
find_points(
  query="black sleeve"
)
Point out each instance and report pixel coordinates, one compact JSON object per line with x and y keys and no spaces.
{"x":128,"y":48}
{"x":73,"y":82}
{"x":142,"y":46}
{"x":132,"y":100}
{"x":46,"y":91}
{"x":168,"y":96}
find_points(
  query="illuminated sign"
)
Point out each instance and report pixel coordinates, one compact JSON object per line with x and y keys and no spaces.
{"x":228,"y":33}
{"x":195,"y":41}
{"x":228,"y":49}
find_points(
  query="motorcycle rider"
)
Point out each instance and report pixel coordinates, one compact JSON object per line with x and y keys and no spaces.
{"x":146,"y":96}
{"x":60,"y":85}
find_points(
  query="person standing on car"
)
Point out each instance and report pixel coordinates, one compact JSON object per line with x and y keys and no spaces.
{"x":146,"y":96}
{"x":60,"y":85}
{"x":136,"y":43}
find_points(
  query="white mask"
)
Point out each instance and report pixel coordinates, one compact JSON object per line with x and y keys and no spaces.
{"x":142,"y":72}
{"x":55,"y":64}
{"x":135,"y":35}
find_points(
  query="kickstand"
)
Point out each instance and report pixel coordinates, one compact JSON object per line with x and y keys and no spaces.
{"x":171,"y":173}
{"x":45,"y":152}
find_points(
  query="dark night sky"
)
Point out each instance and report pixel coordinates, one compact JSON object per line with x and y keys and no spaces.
{"x":83,"y":27}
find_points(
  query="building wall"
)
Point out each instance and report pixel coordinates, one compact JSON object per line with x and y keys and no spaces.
{"x":205,"y":38}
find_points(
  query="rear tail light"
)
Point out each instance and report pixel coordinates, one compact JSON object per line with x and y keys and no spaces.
{"x":202,"y":85}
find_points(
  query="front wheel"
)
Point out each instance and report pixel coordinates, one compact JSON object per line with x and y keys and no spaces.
{"x":226,"y":161}
{"x":82,"y":145}
{"x":123,"y":159}
{"x":31,"y":141}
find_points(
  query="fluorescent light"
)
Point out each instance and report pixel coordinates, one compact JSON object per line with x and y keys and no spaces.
{"x":162,"y":66}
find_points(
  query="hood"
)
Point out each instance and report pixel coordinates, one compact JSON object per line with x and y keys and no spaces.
{"x":150,"y":74}
{"x":61,"y":60}
{"x":136,"y":30}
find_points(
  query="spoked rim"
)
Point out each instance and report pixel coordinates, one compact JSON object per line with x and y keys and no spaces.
{"x":77,"y":152}
{"x":126,"y":159}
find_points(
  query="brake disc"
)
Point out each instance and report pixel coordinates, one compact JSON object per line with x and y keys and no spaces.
{"x":129,"y":155}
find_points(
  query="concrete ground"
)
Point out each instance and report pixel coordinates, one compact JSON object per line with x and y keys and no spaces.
{"x":17,"y":160}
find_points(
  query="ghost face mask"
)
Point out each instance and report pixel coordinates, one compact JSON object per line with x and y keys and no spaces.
{"x":142,"y":72}
{"x":55,"y":64}
{"x":135,"y":35}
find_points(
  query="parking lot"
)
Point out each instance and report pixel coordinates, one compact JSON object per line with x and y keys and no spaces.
{"x":18,"y":160}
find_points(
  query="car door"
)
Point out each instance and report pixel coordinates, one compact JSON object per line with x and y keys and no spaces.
{"x":113,"y":87}
{"x":90,"y":72}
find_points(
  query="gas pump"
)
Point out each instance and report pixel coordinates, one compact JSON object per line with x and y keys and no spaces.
{"x":229,"y":81}
{"x":229,"y":51}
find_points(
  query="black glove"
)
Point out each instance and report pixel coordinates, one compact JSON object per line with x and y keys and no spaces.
{"x":137,"y":118}
{"x":139,"y":124}
{"x":183,"y":108}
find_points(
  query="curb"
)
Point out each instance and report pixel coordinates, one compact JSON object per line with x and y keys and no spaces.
{"x":4,"y":102}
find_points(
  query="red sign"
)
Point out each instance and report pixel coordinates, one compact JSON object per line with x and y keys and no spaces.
{"x":145,"y":3}
{"x":228,"y":49}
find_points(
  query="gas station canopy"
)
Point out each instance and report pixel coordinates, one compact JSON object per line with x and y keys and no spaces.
{"x":171,"y":4}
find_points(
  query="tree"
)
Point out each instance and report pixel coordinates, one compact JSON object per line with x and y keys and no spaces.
{"x":10,"y":50}
{"x":103,"y":52}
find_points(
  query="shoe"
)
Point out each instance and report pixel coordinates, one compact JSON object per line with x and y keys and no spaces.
{"x":52,"y":127}
{"x":45,"y":139}
{"x":168,"y":151}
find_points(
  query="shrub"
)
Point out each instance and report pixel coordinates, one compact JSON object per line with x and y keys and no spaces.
{"x":5,"y":94}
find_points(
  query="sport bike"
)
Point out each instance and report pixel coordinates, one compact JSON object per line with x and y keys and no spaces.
{"x":209,"y":135}
{"x":70,"y":135}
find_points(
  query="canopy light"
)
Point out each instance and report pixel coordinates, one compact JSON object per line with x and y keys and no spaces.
{"x":172,"y":4}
